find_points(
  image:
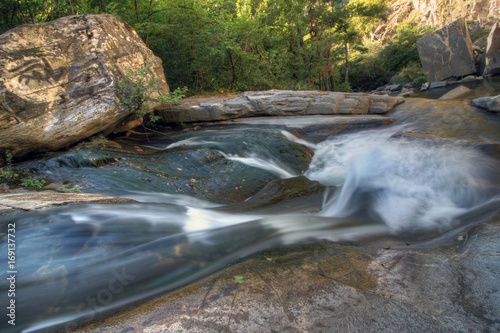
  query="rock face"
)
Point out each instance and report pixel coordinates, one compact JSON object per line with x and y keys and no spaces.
{"x":278,"y":103}
{"x":432,"y":13}
{"x":58,"y":80}
{"x":491,"y":104}
{"x":492,"y":59}
{"x":447,"y":52}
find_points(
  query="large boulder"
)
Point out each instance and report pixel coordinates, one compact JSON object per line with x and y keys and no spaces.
{"x":447,"y":52}
{"x":492,"y":58}
{"x":58,"y":80}
{"x":278,"y":103}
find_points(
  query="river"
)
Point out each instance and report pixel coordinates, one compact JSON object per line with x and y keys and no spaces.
{"x":76,"y":263}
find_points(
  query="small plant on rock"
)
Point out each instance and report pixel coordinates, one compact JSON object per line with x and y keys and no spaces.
{"x":137,"y":89}
{"x":72,"y":189}
{"x":34,"y":183}
{"x":7,"y":173}
{"x":99,"y":142}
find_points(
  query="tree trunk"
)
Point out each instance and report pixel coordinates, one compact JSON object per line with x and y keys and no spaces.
{"x":149,"y":19}
{"x":235,"y":77}
{"x":347,"y":62}
{"x":72,"y":9}
{"x":137,"y":12}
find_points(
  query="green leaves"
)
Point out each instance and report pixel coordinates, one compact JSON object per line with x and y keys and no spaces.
{"x":34,"y":183}
{"x":140,"y":87}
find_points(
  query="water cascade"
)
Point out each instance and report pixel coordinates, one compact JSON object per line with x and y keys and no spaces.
{"x":79,"y":262}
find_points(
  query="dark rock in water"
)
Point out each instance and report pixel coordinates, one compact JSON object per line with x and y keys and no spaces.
{"x":291,"y":195}
{"x":439,"y":84}
{"x":383,"y":287}
{"x":194,"y":171}
{"x":492,"y":56}
{"x":59,"y":80}
{"x":212,"y":170}
{"x":447,"y":52}
{"x":491,"y":104}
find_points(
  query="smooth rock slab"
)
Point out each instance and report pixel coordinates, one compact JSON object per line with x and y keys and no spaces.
{"x":457,"y":92}
{"x":58,"y":80}
{"x":39,"y":200}
{"x":277,"y":103}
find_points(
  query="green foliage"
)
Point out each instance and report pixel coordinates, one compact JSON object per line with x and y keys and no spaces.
{"x":344,"y":87}
{"x":402,"y":49}
{"x":72,"y":189}
{"x":227,"y":45}
{"x":34,"y":183}
{"x":9,"y":175}
{"x":140,"y":87}
{"x":239,"y":279}
{"x":399,"y":57}
{"x":99,"y":142}
{"x":413,"y":73}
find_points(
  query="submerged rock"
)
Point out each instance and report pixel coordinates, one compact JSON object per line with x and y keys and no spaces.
{"x":447,"y":52}
{"x":293,"y":195}
{"x":384,"y":287}
{"x":224,"y":166}
{"x":58,"y":80}
{"x":278,"y":103}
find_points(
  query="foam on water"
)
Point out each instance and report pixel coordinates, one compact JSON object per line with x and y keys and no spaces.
{"x":409,"y":184}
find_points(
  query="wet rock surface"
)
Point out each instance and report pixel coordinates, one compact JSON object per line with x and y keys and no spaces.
{"x":58,"y":80}
{"x":277,"y":103}
{"x":201,"y":164}
{"x":491,"y":104}
{"x":382,"y":287}
{"x":293,"y":195}
{"x":44,"y":199}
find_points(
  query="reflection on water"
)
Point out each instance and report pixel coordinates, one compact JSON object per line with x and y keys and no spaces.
{"x":77,"y":262}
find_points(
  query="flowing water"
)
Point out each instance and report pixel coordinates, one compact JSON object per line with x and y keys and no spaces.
{"x":76,"y":263}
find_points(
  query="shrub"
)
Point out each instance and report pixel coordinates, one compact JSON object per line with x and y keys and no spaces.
{"x":34,"y":183}
{"x":137,"y":89}
{"x":412,"y":73}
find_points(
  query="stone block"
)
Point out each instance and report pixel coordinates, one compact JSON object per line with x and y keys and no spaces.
{"x":439,"y":84}
{"x":492,"y":57}
{"x":447,"y":52}
{"x":457,"y":92}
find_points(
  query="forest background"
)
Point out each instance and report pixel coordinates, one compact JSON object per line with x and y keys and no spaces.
{"x":216,"y":46}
